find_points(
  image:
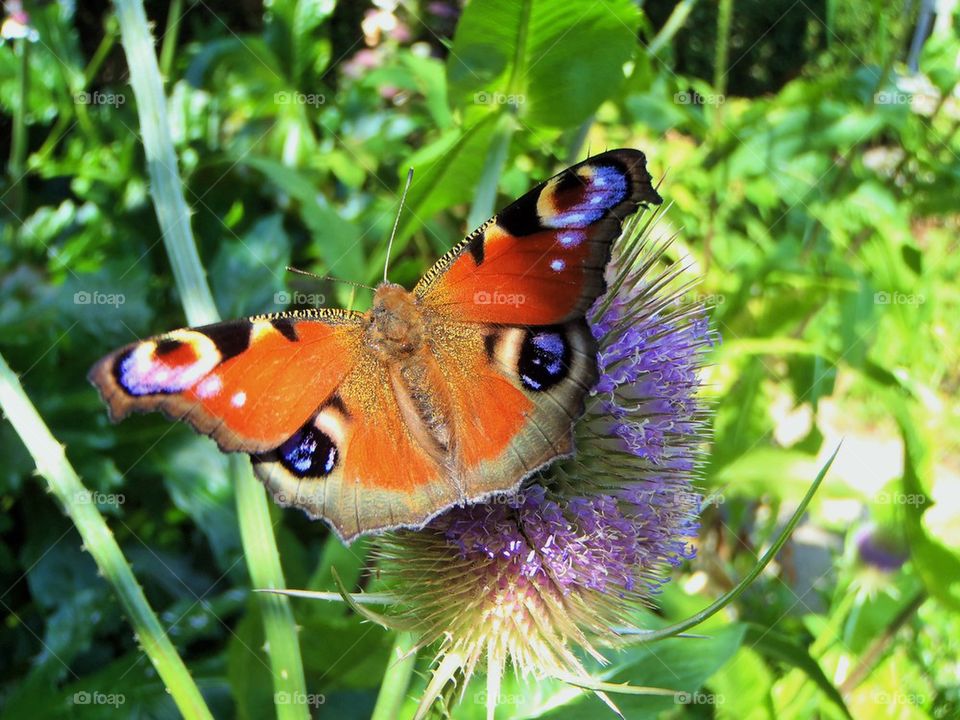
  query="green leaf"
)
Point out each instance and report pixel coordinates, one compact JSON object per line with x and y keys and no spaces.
{"x":680,"y":664}
{"x":745,"y":684}
{"x":445,"y":173}
{"x":938,"y":567}
{"x":781,"y":647}
{"x":553,"y":61}
{"x":198,"y":484}
{"x":249,"y":270}
{"x":336,"y":240}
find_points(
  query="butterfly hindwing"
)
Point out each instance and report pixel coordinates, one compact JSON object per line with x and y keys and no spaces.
{"x":365,"y":461}
{"x":515,"y":393}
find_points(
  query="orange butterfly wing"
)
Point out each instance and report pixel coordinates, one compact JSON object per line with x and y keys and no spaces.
{"x":541,"y":260}
{"x":359,"y":462}
{"x":249,"y":383}
{"x":520,"y":286}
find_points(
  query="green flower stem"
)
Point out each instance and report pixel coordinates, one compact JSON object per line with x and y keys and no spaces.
{"x":396,"y":678}
{"x":485,"y":195}
{"x":256,"y":528}
{"x":62,"y":480}
{"x":18,"y":144}
{"x":678,"y":18}
{"x":170,"y":36}
{"x":65,"y":119}
{"x":166,"y":189}
{"x":102,"y":52}
{"x":722,"y":57}
{"x":754,"y":573}
{"x":263,"y":562}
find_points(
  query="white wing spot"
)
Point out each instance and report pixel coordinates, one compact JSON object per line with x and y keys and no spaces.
{"x":239,"y":399}
{"x":209,"y":387}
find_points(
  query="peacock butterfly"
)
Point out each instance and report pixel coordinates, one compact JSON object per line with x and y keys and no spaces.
{"x":440,"y":396}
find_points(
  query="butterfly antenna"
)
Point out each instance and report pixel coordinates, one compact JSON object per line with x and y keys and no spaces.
{"x":331,"y":278}
{"x":396,"y":223}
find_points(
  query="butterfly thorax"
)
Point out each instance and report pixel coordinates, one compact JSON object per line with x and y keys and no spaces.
{"x":395,"y":324}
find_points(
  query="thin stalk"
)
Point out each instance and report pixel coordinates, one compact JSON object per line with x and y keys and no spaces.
{"x":99,"y":541}
{"x":170,"y":35}
{"x":678,"y":18}
{"x":172,"y":211}
{"x":485,"y":195}
{"x":107,"y":42}
{"x":18,"y":145}
{"x":263,"y":563}
{"x":729,"y":597}
{"x":720,"y":72}
{"x":65,"y":119}
{"x":875,"y":652}
{"x":396,"y":678}
{"x":173,"y":214}
{"x":722,"y":57}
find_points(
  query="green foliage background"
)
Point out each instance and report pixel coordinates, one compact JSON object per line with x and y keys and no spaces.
{"x":812,"y":175}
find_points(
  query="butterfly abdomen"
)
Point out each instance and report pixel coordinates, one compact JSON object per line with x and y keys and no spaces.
{"x":395,"y":334}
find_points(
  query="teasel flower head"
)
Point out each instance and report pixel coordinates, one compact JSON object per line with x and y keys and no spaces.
{"x":878,"y":549}
{"x":534,"y":580}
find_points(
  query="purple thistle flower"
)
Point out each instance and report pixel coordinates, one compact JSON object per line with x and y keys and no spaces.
{"x":570,"y":557}
{"x":880,"y":548}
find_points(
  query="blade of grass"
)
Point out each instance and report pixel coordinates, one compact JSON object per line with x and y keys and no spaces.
{"x":263,"y":563}
{"x":485,"y":196}
{"x":63,"y":481}
{"x":165,"y":186}
{"x":396,"y":678}
{"x":256,"y":528}
{"x":676,"y":21}
{"x":754,"y":573}
{"x":18,"y":144}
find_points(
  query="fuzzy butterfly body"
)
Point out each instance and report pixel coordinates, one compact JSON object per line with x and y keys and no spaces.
{"x":443,"y":395}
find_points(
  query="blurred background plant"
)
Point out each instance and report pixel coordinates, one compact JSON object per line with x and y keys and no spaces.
{"x":810,"y":153}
